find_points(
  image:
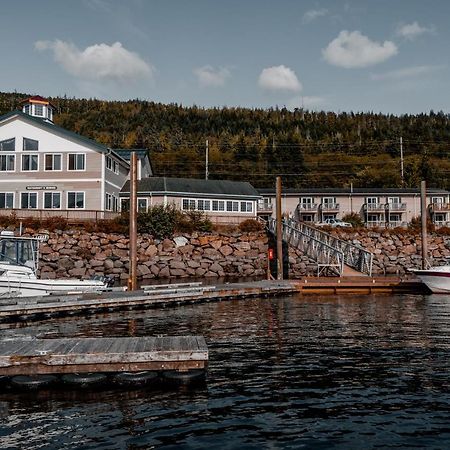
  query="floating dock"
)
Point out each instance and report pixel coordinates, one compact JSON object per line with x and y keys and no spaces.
{"x":156,"y":296}
{"x":92,"y":355}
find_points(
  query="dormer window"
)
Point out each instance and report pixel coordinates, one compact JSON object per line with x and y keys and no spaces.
{"x":38,"y":106}
{"x":38,"y":110}
{"x":27,"y":109}
{"x":30,"y":144}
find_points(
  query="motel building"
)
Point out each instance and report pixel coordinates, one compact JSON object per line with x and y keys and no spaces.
{"x":48,"y":171}
{"x":377,"y":207}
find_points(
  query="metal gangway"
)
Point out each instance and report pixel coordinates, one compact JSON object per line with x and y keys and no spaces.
{"x":329,"y":252}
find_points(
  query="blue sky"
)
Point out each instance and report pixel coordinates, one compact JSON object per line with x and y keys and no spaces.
{"x":351,"y":55}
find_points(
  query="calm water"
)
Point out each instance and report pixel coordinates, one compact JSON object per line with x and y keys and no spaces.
{"x":318,"y":372}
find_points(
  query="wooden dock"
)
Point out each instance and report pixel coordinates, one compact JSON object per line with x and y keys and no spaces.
{"x":157,"y":296}
{"x":88,"y":355}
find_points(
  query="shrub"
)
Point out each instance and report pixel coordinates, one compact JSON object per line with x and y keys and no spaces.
{"x":159,"y":221}
{"x":250,"y":225}
{"x":7,"y":221}
{"x":55,"y":223}
{"x":354,"y":219}
{"x":31,"y":222}
{"x":416,"y":224}
{"x":193,"y":221}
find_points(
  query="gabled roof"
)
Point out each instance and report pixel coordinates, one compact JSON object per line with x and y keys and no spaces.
{"x":39,"y":99}
{"x":55,"y":128}
{"x":177,"y":186}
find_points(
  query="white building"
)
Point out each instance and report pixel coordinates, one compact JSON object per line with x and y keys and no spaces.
{"x":46,"y":168}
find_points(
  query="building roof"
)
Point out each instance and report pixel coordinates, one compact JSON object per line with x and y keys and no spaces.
{"x":350,"y":191}
{"x":38,"y":99}
{"x":186,"y":186}
{"x":55,"y":128}
{"x":125,"y":153}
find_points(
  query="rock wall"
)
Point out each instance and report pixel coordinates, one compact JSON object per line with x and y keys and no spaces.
{"x":81,"y":254}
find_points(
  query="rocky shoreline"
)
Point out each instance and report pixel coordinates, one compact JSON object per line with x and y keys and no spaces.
{"x":82,"y":255}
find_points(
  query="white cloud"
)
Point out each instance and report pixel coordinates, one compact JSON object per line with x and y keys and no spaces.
{"x":208,"y":76}
{"x":407,"y":72}
{"x":307,"y":102}
{"x":279,"y":78}
{"x":412,"y":30}
{"x":353,"y":50}
{"x":98,"y":62}
{"x":314,"y":14}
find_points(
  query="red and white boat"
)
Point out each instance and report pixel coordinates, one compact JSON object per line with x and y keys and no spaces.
{"x":437,"y":279}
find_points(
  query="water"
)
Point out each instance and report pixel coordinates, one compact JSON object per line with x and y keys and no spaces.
{"x":344,"y":372}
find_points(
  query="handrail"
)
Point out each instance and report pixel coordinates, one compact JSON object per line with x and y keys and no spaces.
{"x":324,"y":248}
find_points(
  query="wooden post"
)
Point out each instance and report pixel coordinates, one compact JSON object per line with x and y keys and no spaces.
{"x":132,"y":279}
{"x":279,"y":231}
{"x":423,"y":215}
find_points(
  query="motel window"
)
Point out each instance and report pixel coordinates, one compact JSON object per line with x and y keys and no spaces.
{"x":372,"y":200}
{"x":394,"y":200}
{"x":53,"y":162}
{"x":77,"y":161}
{"x":188,"y":204}
{"x":215,"y":205}
{"x":7,"y":163}
{"x":30,"y":145}
{"x":108,"y":163}
{"x":203,"y":205}
{"x":28,"y":200}
{"x":38,"y":110}
{"x":232,"y":206}
{"x":52,"y":200}
{"x":30,"y":163}
{"x":142,"y":204}
{"x":329,"y":201}
{"x":6,"y":200}
{"x":125,"y":204}
{"x":75,"y":200}
{"x":437,"y":200}
{"x":8,"y":145}
{"x":307,"y":201}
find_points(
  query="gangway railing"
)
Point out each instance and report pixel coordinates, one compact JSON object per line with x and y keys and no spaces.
{"x":329,"y":252}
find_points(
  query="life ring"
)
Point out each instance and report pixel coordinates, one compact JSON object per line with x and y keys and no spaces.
{"x":135,"y":378}
{"x":184,"y":377}
{"x":83,"y":379}
{"x":33,"y":381}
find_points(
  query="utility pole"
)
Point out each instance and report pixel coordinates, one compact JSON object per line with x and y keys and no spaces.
{"x":279,"y":236}
{"x":401,"y":160}
{"x":132,"y":279}
{"x":207,"y":160}
{"x":423,"y":215}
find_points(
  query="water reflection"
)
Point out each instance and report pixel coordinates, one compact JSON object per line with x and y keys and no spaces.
{"x":312,"y":372}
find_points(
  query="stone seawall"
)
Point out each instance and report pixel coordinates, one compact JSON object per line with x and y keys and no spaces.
{"x":81,"y":254}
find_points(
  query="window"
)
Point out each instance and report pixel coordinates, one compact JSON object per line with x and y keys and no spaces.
{"x":6,"y":200}
{"x":306,"y":201}
{"x":125,"y":204}
{"x":109,"y":163}
{"x":26,"y":109}
{"x":246,"y":207}
{"x":53,"y":162}
{"x":188,"y":204}
{"x":204,"y":205}
{"x":329,"y":201}
{"x":232,"y":206}
{"x":218,"y":205}
{"x":112,"y":165}
{"x":329,"y":216}
{"x":38,"y":110}
{"x":30,"y":163}
{"x":115,"y":167}
{"x":7,"y":163}
{"x":75,"y":200}
{"x":30,"y":145}
{"x":437,"y":200}
{"x":372,"y":200}
{"x":52,"y":200}
{"x":28,"y":200}
{"x":112,"y":203}
{"x":142,"y":204}
{"x":8,"y":145}
{"x":77,"y":161}
{"x":394,"y":200}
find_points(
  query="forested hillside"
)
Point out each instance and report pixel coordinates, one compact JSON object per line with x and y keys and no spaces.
{"x":306,"y":148}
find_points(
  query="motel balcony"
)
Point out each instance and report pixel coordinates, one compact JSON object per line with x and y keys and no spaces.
{"x":376,"y":224}
{"x":438,"y":207}
{"x":307,"y":207}
{"x":374,"y":207}
{"x":329,"y":207}
{"x":396,"y":207}
{"x":264,"y":207}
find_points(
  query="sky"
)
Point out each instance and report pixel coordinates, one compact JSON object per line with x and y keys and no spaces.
{"x":389,"y":56}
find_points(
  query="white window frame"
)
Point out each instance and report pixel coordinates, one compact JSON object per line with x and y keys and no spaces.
{"x":29,"y":139}
{"x":329,"y":201}
{"x":76,"y":192}
{"x":68,"y":162}
{"x":30,"y":193}
{"x":394,"y":200}
{"x":52,"y":193}
{"x":369,"y":200}
{"x":7,"y":155}
{"x":8,"y":140}
{"x":13,"y":199}
{"x":142,"y":199}
{"x":53,"y":162}
{"x":29,"y":155}
{"x":41,"y":110}
{"x":246,"y":207}
{"x":437,"y":200}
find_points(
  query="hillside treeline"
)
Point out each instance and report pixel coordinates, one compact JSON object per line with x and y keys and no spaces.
{"x":306,"y":148}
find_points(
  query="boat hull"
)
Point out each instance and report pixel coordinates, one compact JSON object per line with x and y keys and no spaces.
{"x":437,"y":281}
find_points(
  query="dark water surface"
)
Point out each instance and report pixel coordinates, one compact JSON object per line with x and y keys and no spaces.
{"x":344,"y":372}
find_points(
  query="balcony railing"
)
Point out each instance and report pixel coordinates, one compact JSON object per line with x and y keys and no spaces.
{"x":374,"y":206}
{"x":396,"y":206}
{"x":264,"y":207}
{"x":329,"y":206}
{"x":376,"y":224}
{"x":307,"y":207}
{"x":440,"y":206}
{"x":71,"y":215}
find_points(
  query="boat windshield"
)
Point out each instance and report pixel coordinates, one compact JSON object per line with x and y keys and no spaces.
{"x":19,"y":251}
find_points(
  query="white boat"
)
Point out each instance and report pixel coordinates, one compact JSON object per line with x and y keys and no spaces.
{"x":437,"y":279}
{"x":19,"y":259}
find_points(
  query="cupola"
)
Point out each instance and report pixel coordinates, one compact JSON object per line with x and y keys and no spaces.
{"x":38,"y":106}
